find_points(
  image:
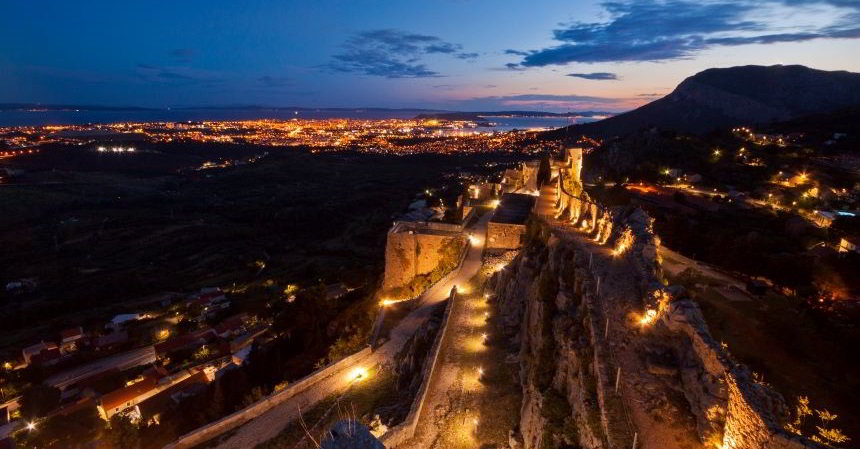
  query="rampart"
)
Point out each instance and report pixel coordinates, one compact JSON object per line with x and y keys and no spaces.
{"x":753,"y":412}
{"x":414,"y":249}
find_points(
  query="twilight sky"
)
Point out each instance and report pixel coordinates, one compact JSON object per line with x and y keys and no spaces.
{"x":445,"y":54}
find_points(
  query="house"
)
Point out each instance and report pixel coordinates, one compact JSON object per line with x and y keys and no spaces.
{"x":126,"y":397}
{"x":210,"y":300}
{"x":69,"y":339}
{"x":33,"y":350}
{"x":47,"y":357}
{"x":824,"y":219}
{"x":192,"y":339}
{"x":846,"y":245}
{"x":241,"y":356}
{"x":151,"y":408}
{"x":231,"y":326}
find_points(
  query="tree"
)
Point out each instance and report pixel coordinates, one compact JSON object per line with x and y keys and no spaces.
{"x":74,"y":430}
{"x":216,"y":402}
{"x":38,"y":400}
{"x":123,"y":433}
{"x":544,"y":173}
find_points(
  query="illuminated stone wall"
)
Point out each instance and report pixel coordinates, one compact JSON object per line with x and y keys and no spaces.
{"x":504,"y":236}
{"x":410,"y":254}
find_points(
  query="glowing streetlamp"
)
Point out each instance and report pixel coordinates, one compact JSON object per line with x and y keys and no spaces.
{"x":31,"y":426}
{"x":357,"y":374}
{"x":648,"y":318}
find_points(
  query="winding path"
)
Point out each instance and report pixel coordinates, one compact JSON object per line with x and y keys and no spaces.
{"x":269,"y":424}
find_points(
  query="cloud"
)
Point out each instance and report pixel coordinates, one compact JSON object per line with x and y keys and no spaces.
{"x":176,"y":75}
{"x":645,"y":30}
{"x":601,"y":76}
{"x":545,"y":102}
{"x":393,"y":54}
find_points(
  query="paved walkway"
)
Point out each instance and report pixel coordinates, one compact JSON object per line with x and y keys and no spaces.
{"x":270,"y":424}
{"x":451,"y":408}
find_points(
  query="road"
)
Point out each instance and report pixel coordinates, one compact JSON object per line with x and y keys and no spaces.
{"x":123,"y":361}
{"x":269,"y":424}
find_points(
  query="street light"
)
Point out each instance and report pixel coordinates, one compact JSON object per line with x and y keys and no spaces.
{"x":31,"y":426}
{"x":357,"y":374}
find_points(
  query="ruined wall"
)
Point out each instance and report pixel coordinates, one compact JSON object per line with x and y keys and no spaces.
{"x":722,"y":395}
{"x":753,"y":411}
{"x":504,"y":236}
{"x":546,"y":304}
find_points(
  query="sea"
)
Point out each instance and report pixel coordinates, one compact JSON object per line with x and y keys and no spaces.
{"x":69,"y":117}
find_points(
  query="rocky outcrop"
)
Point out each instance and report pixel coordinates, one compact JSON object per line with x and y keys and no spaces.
{"x":349,"y":434}
{"x":412,"y":358}
{"x":548,"y":303}
{"x":541,"y":303}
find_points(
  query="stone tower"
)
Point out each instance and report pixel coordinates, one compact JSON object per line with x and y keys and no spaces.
{"x":574,"y":159}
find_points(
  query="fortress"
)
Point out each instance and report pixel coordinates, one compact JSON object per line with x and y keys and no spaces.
{"x":579,"y":341}
{"x":416,"y":251}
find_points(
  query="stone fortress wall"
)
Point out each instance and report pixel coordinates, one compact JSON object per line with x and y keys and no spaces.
{"x":504,"y":236}
{"x":414,"y":248}
{"x":751,"y":412}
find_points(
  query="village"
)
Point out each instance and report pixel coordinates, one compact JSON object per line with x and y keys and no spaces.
{"x":135,"y":365}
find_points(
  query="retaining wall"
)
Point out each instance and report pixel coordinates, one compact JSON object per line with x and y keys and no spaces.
{"x":262,"y":406}
{"x":406,"y":430}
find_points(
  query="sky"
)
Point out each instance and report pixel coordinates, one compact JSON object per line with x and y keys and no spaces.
{"x":473,"y":55}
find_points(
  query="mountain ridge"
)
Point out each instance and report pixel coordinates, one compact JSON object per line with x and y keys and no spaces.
{"x":743,"y":95}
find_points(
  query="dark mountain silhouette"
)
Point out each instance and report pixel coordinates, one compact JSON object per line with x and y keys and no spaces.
{"x":746,"y":95}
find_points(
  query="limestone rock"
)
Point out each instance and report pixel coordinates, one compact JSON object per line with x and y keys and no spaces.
{"x":350,"y":434}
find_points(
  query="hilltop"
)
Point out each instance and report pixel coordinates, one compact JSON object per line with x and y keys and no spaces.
{"x":744,"y":95}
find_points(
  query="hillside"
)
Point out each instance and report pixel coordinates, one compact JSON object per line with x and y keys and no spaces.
{"x":745,"y":95}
